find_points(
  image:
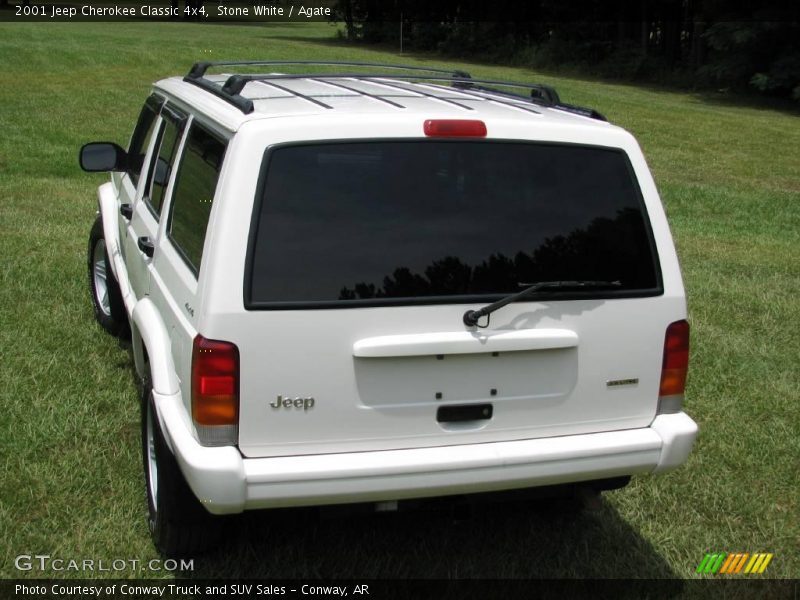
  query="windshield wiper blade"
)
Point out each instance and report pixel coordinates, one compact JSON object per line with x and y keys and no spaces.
{"x":471,"y":317}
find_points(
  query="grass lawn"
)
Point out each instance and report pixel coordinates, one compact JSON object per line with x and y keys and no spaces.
{"x":71,"y":469}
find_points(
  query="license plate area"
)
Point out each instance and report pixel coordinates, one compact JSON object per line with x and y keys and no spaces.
{"x":468,"y":379}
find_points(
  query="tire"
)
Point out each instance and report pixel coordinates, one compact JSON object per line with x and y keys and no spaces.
{"x":109,"y":309}
{"x":179,"y":525}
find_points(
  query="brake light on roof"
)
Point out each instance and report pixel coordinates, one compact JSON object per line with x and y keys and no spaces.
{"x":454,"y":128}
{"x":674,"y":367}
{"x":215,"y":391}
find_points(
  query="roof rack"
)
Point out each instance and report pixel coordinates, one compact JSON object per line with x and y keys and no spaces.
{"x":230,"y":91}
{"x":199,"y":69}
{"x":541,"y":94}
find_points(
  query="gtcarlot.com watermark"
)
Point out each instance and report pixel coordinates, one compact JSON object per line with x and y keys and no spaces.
{"x":48,"y":563}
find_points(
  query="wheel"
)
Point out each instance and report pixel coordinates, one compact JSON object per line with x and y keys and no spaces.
{"x":179,"y":525}
{"x":109,"y":309}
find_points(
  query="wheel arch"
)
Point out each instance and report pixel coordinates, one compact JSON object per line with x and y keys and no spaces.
{"x":141,"y":359}
{"x":109,"y":217}
{"x":107,"y":209}
{"x":152,"y":348}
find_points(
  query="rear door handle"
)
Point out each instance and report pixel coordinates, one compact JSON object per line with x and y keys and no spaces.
{"x":126,"y":210}
{"x":146,"y":246}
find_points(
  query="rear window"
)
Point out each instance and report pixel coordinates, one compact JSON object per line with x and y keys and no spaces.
{"x":439,"y":221}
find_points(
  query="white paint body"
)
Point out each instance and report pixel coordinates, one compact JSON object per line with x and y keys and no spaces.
{"x":374,"y":372}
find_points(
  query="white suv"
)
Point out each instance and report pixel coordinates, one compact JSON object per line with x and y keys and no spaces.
{"x":384,"y":284}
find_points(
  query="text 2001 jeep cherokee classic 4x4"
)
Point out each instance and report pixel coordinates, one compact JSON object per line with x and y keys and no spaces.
{"x":364,"y":287}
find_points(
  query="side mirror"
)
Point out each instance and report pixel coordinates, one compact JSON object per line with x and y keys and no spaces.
{"x":102,"y":156}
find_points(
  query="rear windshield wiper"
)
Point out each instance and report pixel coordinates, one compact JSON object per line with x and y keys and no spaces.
{"x":471,"y":317}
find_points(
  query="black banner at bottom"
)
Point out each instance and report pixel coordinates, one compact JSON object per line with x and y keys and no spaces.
{"x":562,"y":589}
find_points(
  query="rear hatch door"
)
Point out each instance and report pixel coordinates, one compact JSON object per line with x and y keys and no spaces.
{"x":364,"y":257}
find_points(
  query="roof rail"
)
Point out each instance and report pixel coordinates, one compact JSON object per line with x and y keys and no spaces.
{"x":230,"y":91}
{"x":540,"y":93}
{"x":199,"y":69}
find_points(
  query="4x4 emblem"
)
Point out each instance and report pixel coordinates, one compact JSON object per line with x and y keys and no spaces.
{"x":304,"y":403}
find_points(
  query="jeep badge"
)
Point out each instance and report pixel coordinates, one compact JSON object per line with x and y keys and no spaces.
{"x":304,"y":403}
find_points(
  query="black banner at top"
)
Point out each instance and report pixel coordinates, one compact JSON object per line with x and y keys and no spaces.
{"x":66,"y":11}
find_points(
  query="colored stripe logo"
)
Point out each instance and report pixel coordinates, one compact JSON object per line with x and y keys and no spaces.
{"x":734,"y":563}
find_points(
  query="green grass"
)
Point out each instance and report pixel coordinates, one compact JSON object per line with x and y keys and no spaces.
{"x":70,"y":468}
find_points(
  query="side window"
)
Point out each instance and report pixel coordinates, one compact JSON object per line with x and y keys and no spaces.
{"x":194,"y":193}
{"x":161,"y":166}
{"x":140,"y":139}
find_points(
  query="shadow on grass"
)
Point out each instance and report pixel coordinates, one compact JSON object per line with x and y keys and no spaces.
{"x":494,"y":539}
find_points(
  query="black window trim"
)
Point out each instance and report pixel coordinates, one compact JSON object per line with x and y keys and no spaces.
{"x":154,"y":102}
{"x":195,"y":270}
{"x":250,"y":304}
{"x":179,"y":119}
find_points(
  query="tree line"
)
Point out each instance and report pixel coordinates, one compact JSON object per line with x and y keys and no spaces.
{"x":730,"y":45}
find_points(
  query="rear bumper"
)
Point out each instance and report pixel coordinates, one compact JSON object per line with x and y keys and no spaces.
{"x":227,"y":483}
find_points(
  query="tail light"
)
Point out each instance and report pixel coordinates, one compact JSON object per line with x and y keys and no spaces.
{"x":215,"y":391}
{"x":454,"y":128}
{"x":674,"y":368}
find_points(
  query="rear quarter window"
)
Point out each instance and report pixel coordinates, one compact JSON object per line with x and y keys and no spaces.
{"x":195,"y":186}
